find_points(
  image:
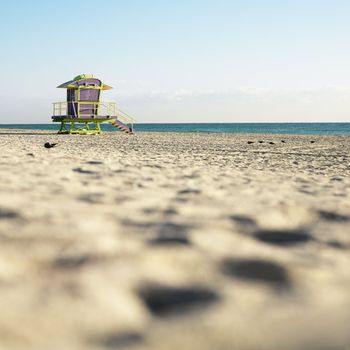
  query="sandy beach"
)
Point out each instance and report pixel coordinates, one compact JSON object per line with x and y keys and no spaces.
{"x":174,"y":241}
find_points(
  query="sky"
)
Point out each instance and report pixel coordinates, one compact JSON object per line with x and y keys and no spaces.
{"x":180,"y":61}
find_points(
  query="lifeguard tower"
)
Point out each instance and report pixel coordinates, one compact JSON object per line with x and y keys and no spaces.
{"x":83,"y":112}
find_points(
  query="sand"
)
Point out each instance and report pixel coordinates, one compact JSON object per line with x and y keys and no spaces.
{"x":174,"y":241}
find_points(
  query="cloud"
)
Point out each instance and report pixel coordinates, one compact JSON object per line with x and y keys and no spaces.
{"x":243,"y":92}
{"x":241,"y":105}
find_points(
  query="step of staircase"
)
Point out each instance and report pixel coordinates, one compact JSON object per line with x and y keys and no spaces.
{"x":121,"y":126}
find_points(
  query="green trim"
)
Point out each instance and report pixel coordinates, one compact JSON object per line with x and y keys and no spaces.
{"x":70,"y":127}
{"x":83,"y":76}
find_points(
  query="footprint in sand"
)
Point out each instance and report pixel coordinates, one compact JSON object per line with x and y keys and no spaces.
{"x":332,"y":216}
{"x":168,"y":301}
{"x":243,"y":220}
{"x":6,"y":213}
{"x":117,"y":340}
{"x":84,"y":171}
{"x":169,"y":240}
{"x":170,"y":211}
{"x":72,"y":262}
{"x":91,"y":198}
{"x":337,"y":245}
{"x":257,"y":270}
{"x":94,"y":162}
{"x":283,"y":237}
{"x":168,"y":228}
{"x":189,"y":191}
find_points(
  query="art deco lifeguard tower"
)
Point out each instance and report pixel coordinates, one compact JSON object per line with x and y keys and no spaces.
{"x":83,"y":112}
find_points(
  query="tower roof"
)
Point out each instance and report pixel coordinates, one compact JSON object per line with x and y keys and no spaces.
{"x":78,"y":80}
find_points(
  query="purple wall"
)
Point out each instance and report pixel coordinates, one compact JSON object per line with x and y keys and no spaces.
{"x":86,"y":94}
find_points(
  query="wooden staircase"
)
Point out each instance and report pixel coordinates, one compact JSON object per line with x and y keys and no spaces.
{"x":122,"y":127}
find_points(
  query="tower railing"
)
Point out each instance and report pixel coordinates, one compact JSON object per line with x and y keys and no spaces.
{"x":99,"y":110}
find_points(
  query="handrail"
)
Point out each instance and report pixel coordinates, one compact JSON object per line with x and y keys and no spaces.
{"x":126,"y":116}
{"x":61,"y":108}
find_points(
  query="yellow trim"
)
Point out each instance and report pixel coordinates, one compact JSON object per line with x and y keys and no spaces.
{"x":110,"y":108}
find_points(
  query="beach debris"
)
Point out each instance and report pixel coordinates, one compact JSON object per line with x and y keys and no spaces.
{"x":312,"y":141}
{"x":283,"y":141}
{"x":271,"y":143}
{"x":49,"y":145}
{"x":260,"y":141}
{"x":250,"y":142}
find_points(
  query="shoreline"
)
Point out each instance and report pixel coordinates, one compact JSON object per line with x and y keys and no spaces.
{"x":312,"y":129}
{"x":7,"y":131}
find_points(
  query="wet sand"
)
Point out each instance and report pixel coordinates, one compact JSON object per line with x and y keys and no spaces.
{"x":174,"y":241}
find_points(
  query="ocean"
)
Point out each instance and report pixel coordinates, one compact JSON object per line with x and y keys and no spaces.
{"x":259,"y":128}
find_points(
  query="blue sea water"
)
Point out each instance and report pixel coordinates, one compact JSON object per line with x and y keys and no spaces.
{"x":263,"y":128}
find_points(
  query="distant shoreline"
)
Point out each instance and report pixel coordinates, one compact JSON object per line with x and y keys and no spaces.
{"x":249,"y":136}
